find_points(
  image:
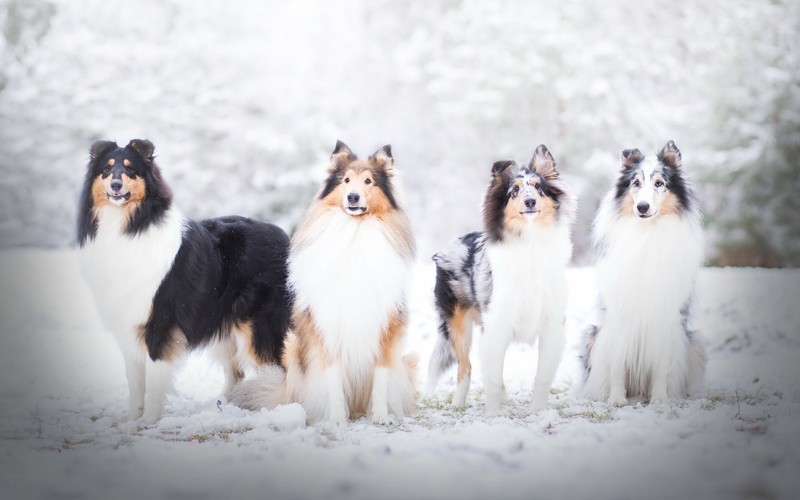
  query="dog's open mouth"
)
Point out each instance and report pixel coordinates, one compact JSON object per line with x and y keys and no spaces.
{"x":355,"y":210}
{"x":119,"y":196}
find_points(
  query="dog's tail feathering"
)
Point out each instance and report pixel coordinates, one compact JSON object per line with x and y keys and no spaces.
{"x":265,"y":390}
{"x":442,"y":358}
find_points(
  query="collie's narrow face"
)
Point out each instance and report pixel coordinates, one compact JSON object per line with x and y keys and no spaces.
{"x":518,"y":196}
{"x":360,"y":187}
{"x":119,"y":175}
{"x":648,"y":188}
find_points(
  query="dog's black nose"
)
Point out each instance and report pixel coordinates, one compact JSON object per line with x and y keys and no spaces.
{"x":352,"y":198}
{"x":643,"y":207}
{"x":116,"y":185}
{"x":530,"y":202}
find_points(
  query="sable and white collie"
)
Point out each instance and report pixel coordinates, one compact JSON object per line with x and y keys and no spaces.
{"x":648,"y":235}
{"x":510,"y":278}
{"x":349,"y":268}
{"x":164,"y":284}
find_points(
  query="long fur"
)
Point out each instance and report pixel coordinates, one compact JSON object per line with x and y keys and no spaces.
{"x":649,"y":241}
{"x":164,"y":284}
{"x":349,"y":270}
{"x":509,"y":278}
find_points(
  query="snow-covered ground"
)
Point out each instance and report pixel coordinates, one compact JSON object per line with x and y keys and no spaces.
{"x":62,"y":384}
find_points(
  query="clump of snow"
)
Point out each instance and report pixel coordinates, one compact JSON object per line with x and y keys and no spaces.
{"x":62,"y":384}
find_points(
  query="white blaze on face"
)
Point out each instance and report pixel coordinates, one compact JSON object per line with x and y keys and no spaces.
{"x":648,"y":189}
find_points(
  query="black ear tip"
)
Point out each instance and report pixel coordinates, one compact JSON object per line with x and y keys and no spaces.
{"x":499,"y":167}
{"x":340,"y":147}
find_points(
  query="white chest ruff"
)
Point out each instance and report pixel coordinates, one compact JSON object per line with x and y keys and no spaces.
{"x":124,"y":272}
{"x":353,"y":279}
{"x":529,"y":287}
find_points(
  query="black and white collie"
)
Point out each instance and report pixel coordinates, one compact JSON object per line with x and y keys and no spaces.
{"x":164,"y":284}
{"x":649,"y":239}
{"x":349,"y":269}
{"x":510,"y":278}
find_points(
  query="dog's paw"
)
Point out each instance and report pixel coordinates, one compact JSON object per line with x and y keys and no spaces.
{"x":538,"y":405}
{"x":381,"y":418}
{"x":491,"y":410}
{"x":149,"y":419}
{"x":617,"y":401}
{"x":128,"y":417}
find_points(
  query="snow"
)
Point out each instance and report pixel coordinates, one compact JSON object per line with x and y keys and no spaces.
{"x":62,"y":383}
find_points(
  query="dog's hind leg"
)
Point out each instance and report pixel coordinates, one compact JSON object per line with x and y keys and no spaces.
{"x":461,"y":339}
{"x":224,"y":353}
{"x":551,"y":347}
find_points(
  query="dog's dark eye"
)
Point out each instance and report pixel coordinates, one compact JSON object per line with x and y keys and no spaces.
{"x":346,"y":180}
{"x":368,"y":181}
{"x":538,"y":187}
{"x":659,"y":184}
{"x":637,"y":183}
{"x":515,"y":191}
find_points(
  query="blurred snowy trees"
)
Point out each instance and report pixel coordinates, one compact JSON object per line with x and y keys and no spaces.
{"x":245,"y":100}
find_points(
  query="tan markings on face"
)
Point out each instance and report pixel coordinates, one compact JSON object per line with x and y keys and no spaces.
{"x":111,"y":162}
{"x":99,"y":189}
{"x":359,"y":179}
{"x":669,"y":204}
{"x":126,"y":162}
{"x":515,"y":219}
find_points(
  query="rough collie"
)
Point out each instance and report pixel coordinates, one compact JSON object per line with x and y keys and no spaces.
{"x":164,"y":284}
{"x":649,"y":239}
{"x":509,"y":278}
{"x":349,"y":268}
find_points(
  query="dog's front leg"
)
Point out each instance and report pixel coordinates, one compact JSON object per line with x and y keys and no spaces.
{"x":380,"y":396}
{"x":337,"y":405}
{"x":551,"y":347}
{"x":616,"y":380}
{"x":492,"y":355}
{"x":134,"y":371}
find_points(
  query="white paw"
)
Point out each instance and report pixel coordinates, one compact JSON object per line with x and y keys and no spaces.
{"x":381,"y":418}
{"x":538,"y":404}
{"x":660,"y":400}
{"x":128,"y":417}
{"x":617,"y":401}
{"x":148,"y":419}
{"x":492,"y":410}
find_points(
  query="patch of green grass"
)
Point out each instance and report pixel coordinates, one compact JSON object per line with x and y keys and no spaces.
{"x":589,"y":413}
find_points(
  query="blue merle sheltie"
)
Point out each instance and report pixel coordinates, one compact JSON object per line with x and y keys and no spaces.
{"x":349,"y":269}
{"x":649,"y":241}
{"x":509,"y":278}
{"x":164,"y":284}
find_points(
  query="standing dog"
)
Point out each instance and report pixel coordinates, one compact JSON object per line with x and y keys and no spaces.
{"x":649,"y":238}
{"x":349,"y":268}
{"x":510,"y":278}
{"x":164,"y":284}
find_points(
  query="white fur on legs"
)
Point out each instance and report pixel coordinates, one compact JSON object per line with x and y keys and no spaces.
{"x":224,"y":353}
{"x":337,"y":405}
{"x":492,"y":355}
{"x":159,"y":381}
{"x":617,"y":374}
{"x":460,"y":399}
{"x":380,"y":396}
{"x":134,"y":370}
{"x":551,"y":347}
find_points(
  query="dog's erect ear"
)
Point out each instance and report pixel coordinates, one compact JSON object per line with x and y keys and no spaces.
{"x":631,"y":157}
{"x":382,"y":158}
{"x":670,"y":155}
{"x":144,"y":147}
{"x":501,"y":166}
{"x":341,"y":156}
{"x":99,"y":148}
{"x":543,"y":163}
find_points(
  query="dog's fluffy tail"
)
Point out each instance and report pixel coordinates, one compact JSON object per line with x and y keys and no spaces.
{"x":442,"y":358}
{"x":264,"y":390}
